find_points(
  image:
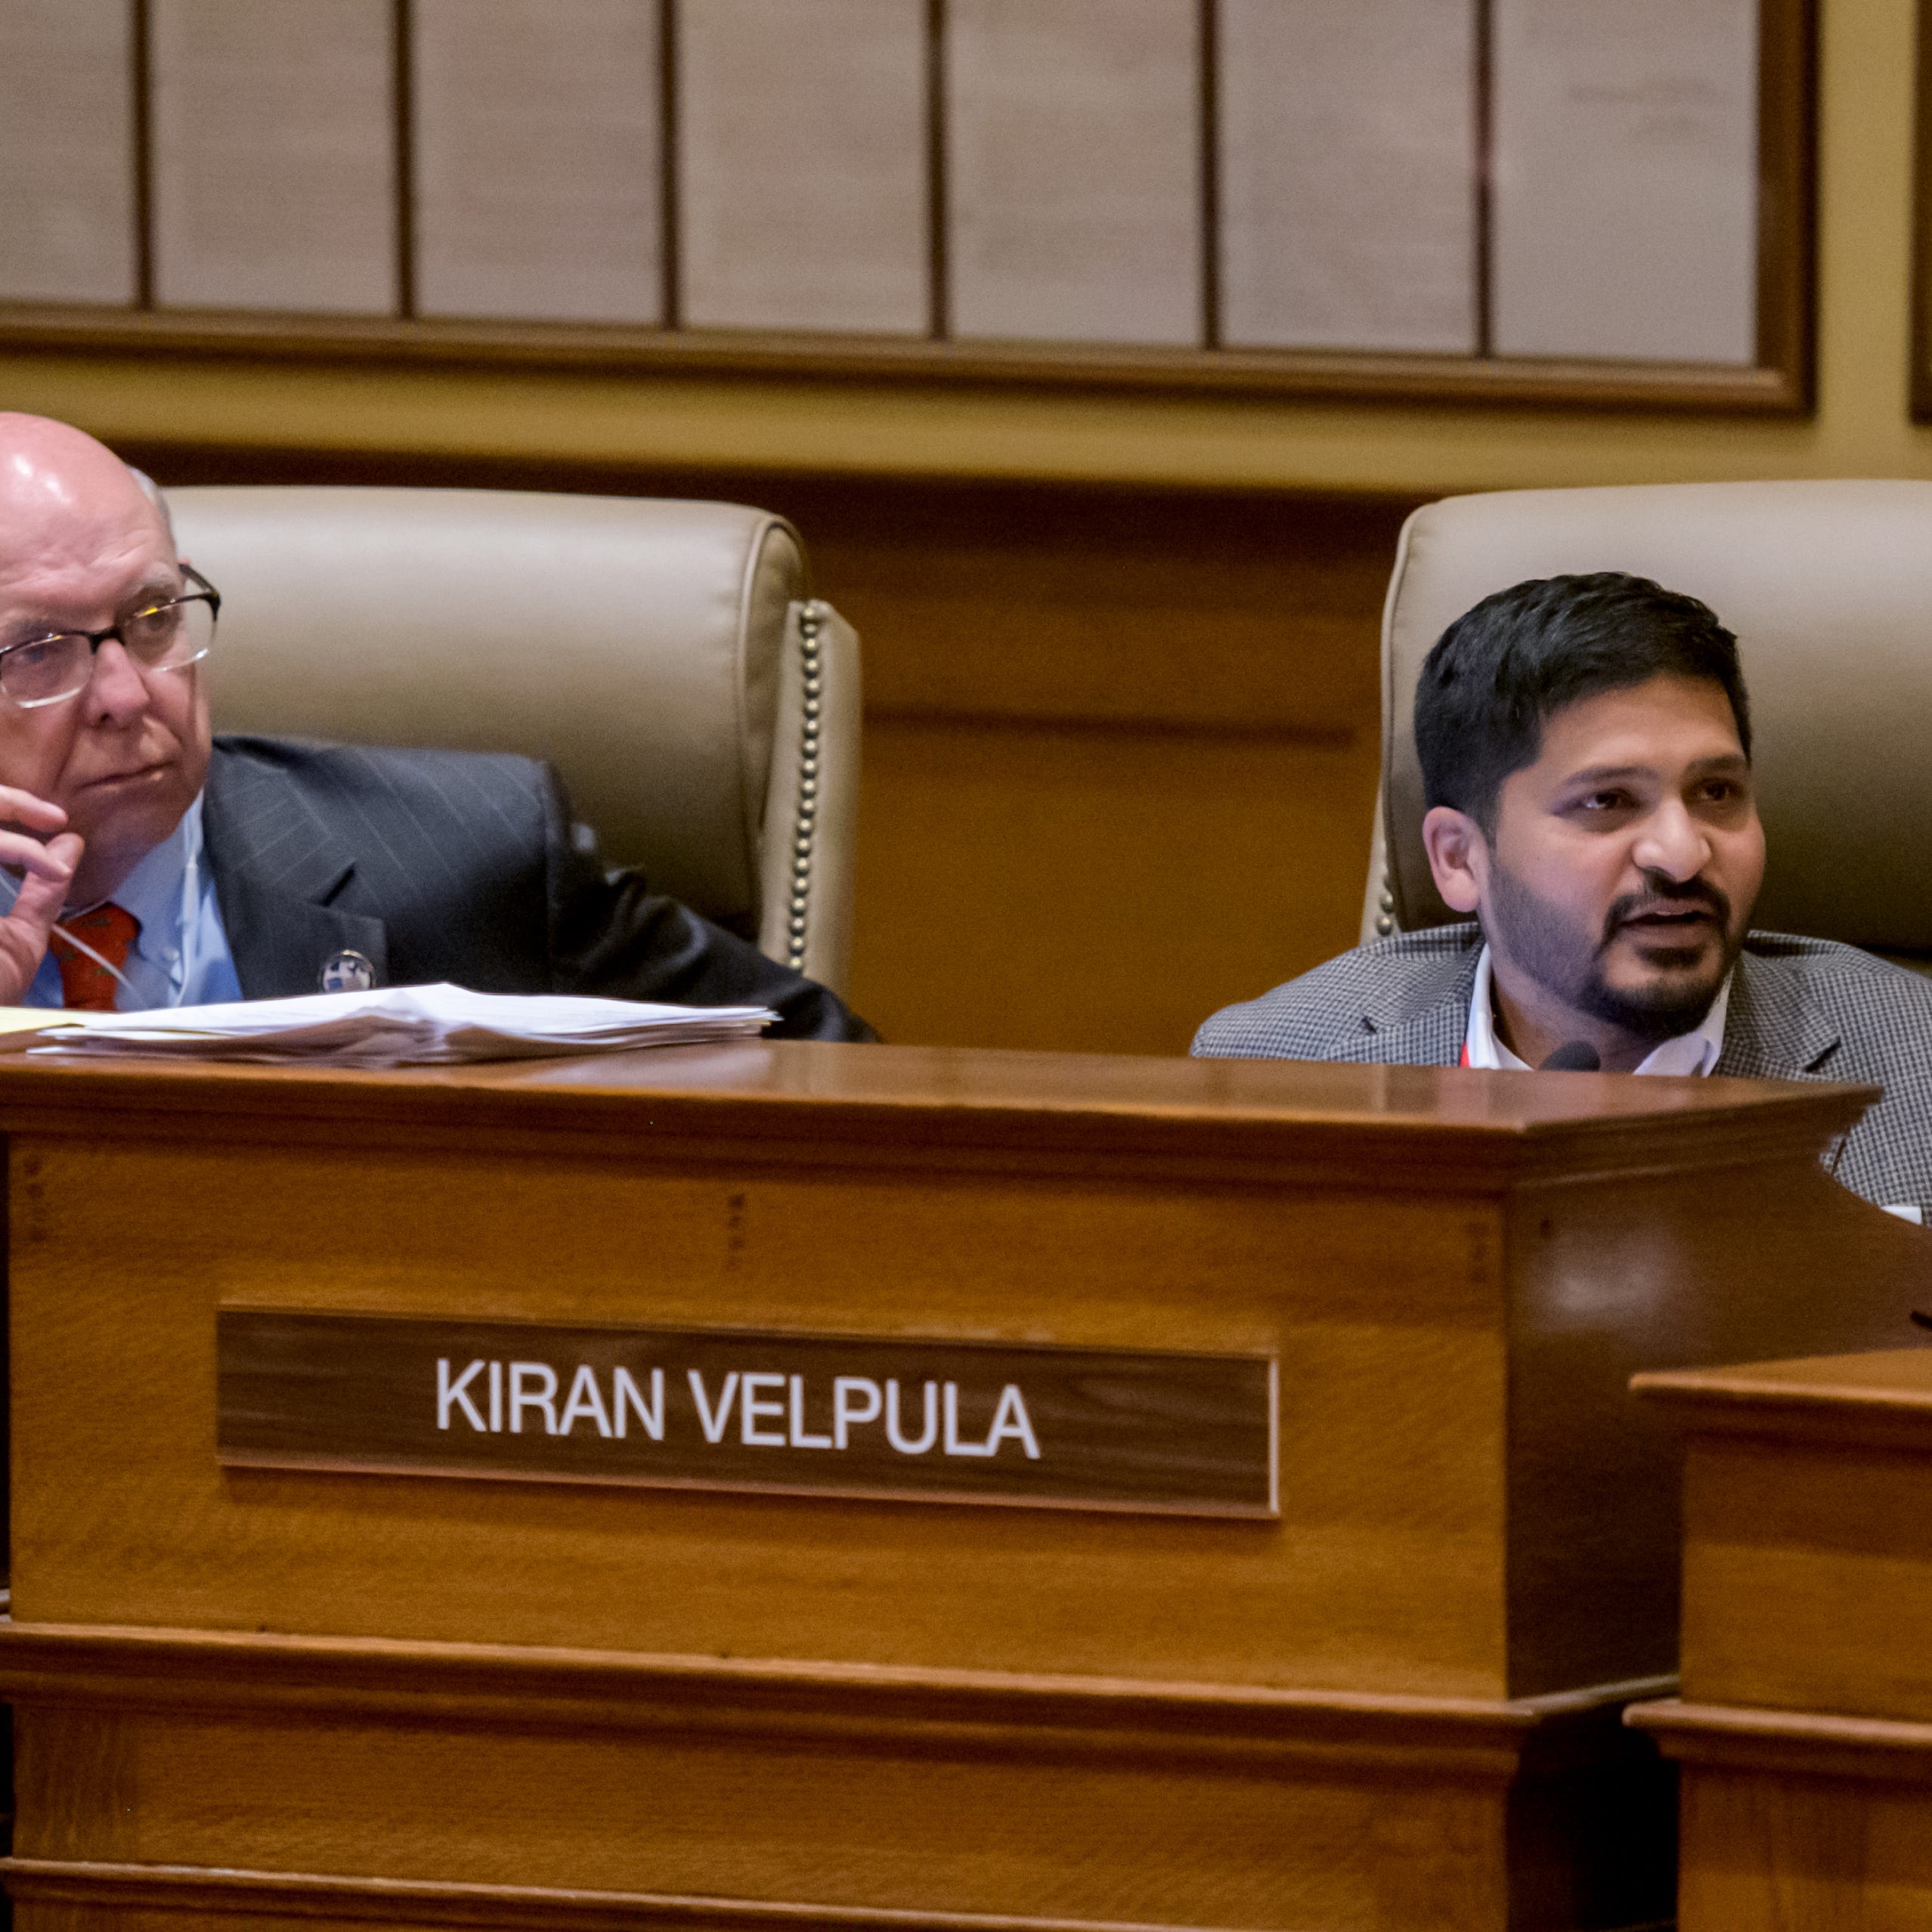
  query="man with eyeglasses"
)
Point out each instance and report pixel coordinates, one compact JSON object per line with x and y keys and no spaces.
{"x":181,"y":869}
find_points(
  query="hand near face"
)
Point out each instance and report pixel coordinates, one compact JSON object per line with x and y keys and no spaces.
{"x":84,"y":550}
{"x":45,"y":865}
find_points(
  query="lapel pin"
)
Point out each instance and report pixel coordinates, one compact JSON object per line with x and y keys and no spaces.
{"x":346,"y":972}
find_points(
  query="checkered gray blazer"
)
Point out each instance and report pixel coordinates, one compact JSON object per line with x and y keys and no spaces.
{"x":1801,"y":1009}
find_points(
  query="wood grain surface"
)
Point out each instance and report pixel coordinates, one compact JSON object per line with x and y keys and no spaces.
{"x":1570,"y":382}
{"x":1804,"y":1735}
{"x":82,"y":1895}
{"x":1384,"y":1572}
{"x":1763,"y":1854}
{"x":1793,"y":1819}
{"x":806,"y":1791}
{"x":1807,"y":1541}
{"x":1394,"y":1706}
{"x":1435,"y":1128}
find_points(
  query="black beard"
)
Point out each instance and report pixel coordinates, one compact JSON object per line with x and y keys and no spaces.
{"x":1539,"y":942}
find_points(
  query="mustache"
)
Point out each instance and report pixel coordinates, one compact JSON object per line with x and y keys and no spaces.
{"x":1667,"y":897}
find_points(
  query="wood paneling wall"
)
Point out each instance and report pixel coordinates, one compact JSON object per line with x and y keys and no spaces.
{"x":1121,"y":745}
{"x":1121,"y":754}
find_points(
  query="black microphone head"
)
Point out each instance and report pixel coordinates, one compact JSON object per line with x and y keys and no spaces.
{"x":1572,"y":1057}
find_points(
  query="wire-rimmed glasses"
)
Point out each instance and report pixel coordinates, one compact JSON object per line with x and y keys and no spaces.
{"x":170,"y":635}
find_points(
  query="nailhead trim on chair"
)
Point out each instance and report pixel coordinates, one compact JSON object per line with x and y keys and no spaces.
{"x":811,"y":622}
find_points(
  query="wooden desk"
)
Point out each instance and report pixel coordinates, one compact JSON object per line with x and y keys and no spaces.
{"x":296,"y":1696}
{"x":1804,"y":1728}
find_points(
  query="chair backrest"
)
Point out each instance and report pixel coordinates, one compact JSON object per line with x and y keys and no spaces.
{"x":1828,"y":586}
{"x":665,"y":656}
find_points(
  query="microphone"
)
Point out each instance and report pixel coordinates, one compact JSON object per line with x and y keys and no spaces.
{"x":1572,"y":1057}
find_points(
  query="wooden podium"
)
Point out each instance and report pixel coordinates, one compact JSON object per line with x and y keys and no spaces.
{"x":835,"y":1487}
{"x":1804,"y":1729}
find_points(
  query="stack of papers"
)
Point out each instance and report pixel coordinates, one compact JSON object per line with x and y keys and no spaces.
{"x":400,"y":1026}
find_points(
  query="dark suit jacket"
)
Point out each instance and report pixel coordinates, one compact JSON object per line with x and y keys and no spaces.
{"x":1801,"y":1009}
{"x":462,"y":866}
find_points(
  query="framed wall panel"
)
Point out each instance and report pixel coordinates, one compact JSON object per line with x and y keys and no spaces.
{"x":1349,"y":194}
{"x":522,"y":212}
{"x":1921,"y":265}
{"x":68,"y":222}
{"x":1073,"y":170}
{"x":803,"y":149}
{"x":1623,"y":163}
{"x":273,"y":155}
{"x":1554,"y":202}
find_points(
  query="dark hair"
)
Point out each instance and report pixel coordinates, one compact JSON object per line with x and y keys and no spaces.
{"x":1502,"y":669}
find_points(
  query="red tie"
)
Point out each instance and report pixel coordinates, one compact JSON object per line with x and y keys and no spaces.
{"x":84,"y":984}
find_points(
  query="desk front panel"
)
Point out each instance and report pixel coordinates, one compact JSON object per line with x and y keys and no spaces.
{"x":1383,"y":1572}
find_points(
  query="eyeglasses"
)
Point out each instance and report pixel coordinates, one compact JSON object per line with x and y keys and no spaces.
{"x":170,"y":636}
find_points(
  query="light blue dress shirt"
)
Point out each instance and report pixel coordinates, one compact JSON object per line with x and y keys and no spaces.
{"x":181,"y":956}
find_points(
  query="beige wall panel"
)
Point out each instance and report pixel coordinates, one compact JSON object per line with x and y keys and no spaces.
{"x":537,"y":172}
{"x":67,"y":161}
{"x":1073,"y":180}
{"x":1625,"y":200}
{"x":274,"y":155}
{"x":802,"y":170}
{"x":1347,"y":174}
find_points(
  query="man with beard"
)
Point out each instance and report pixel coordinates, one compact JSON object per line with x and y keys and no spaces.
{"x":1585,"y":745}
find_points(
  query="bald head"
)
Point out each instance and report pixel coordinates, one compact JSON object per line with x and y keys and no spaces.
{"x":84,"y":547}
{"x":57,"y":484}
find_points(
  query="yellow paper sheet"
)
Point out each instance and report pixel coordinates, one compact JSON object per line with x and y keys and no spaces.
{"x":20,"y":1025}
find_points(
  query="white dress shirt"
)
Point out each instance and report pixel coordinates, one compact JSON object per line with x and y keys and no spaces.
{"x":1693,"y":1053}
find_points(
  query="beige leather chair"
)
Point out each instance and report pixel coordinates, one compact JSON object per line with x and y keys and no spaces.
{"x":703,"y":711}
{"x":1828,"y":586}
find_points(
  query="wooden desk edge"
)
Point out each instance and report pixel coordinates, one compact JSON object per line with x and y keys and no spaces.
{"x":1803,"y":1743}
{"x":864,"y":1100}
{"x":129,"y":1666}
{"x":1824,"y":1399}
{"x":90,"y":1884}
